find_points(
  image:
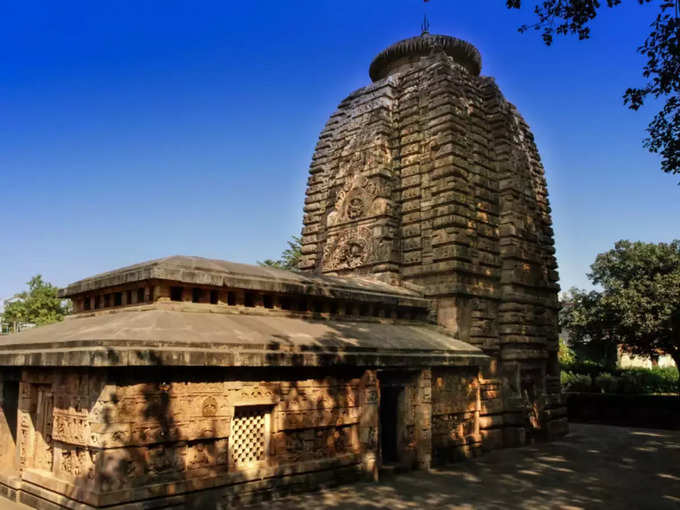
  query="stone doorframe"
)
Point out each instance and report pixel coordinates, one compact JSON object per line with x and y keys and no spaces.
{"x":414,"y":416}
{"x":34,"y":427}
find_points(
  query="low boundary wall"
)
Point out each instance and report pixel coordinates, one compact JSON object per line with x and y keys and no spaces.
{"x":653,"y":411}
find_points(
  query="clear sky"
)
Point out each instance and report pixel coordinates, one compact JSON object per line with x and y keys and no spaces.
{"x":132,"y":130}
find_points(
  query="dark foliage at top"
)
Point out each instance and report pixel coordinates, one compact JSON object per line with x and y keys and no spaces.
{"x":662,"y":70}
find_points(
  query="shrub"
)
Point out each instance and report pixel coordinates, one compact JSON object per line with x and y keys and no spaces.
{"x":630,"y":382}
{"x":645,"y":380}
{"x":587,"y":367}
{"x":607,"y":383}
{"x":575,"y":382}
{"x":668,"y":378}
{"x":621,"y":380}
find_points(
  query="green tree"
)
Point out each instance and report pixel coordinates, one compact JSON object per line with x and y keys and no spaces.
{"x":661,"y":48}
{"x":565,"y":353}
{"x":641,"y":293}
{"x":39,"y":305}
{"x":591,"y":335}
{"x":639,"y":304}
{"x":290,"y":257}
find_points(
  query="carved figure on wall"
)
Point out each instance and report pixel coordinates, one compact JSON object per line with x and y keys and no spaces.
{"x":355,"y":208}
{"x":162,"y":458}
{"x":209,"y":407}
{"x":530,"y":383}
{"x":352,"y":201}
{"x":349,"y":249}
{"x":372,"y":436}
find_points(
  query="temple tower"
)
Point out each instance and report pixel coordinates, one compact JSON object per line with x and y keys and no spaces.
{"x":429,"y":178}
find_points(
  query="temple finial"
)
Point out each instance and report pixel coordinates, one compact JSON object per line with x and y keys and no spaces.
{"x":425,"y":26}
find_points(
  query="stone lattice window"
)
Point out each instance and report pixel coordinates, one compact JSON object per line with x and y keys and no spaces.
{"x":249,"y":435}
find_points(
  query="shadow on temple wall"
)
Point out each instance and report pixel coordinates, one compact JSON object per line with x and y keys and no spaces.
{"x":156,"y":460}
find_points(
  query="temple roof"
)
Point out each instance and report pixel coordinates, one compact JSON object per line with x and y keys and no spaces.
{"x":203,"y":271}
{"x":167,"y":337}
{"x":401,"y":52}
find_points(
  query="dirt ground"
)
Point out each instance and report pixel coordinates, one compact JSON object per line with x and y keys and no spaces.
{"x":594,"y":466}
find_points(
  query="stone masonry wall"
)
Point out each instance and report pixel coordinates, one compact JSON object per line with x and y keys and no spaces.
{"x":106,"y":437}
{"x":455,"y":414}
{"x":431,"y":178}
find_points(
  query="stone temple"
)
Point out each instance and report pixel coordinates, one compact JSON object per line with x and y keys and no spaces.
{"x":420,"y":330}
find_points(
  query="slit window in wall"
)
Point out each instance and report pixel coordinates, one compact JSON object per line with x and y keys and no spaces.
{"x":213,"y":297}
{"x":117,"y":298}
{"x":249,"y":439}
{"x":176,"y":293}
{"x":140,"y":295}
{"x":231,"y":298}
{"x":268,"y":301}
{"x":196,"y":295}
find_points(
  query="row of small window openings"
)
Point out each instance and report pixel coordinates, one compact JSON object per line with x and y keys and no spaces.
{"x":286,"y":303}
{"x":196,"y":295}
{"x":115,"y":299}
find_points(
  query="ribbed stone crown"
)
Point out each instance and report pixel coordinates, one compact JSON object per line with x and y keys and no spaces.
{"x":405,"y":51}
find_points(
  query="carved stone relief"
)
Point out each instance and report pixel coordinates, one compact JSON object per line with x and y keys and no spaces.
{"x":309,"y":444}
{"x":348,"y":249}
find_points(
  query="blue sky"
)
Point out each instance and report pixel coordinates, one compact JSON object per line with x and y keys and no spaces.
{"x":132,"y":130}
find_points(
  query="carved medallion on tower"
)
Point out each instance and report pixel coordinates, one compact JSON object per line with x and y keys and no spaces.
{"x":348,"y":249}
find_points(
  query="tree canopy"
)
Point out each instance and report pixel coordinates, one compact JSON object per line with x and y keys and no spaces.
{"x":661,"y":48}
{"x":39,"y":305}
{"x":290,"y":257}
{"x":588,"y":327}
{"x":639,"y":304}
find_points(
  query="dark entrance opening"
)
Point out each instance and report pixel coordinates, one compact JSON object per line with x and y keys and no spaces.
{"x":10,"y":402}
{"x":389,"y":407}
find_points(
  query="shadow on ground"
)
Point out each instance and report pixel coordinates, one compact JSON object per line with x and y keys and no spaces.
{"x":595,"y":466}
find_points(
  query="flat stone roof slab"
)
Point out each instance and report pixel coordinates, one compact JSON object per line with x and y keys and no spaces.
{"x":202,"y":271}
{"x":160,"y":337}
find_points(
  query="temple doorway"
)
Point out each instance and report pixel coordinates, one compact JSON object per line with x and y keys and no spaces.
{"x":389,"y":419}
